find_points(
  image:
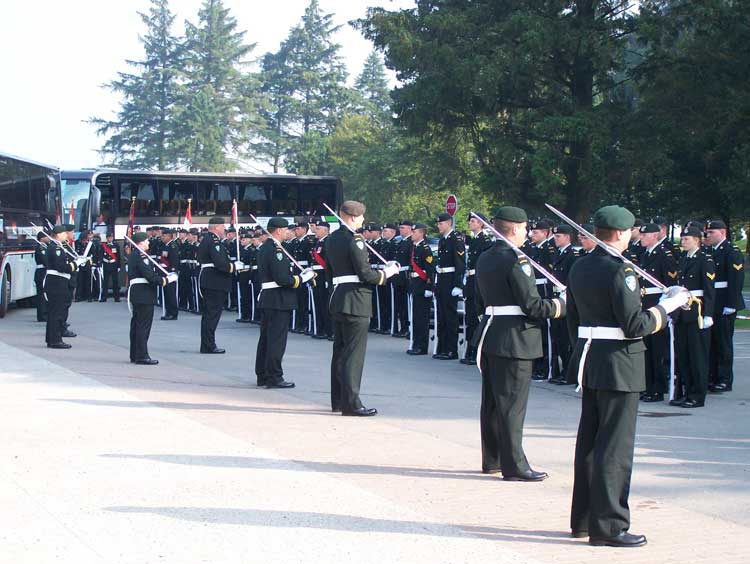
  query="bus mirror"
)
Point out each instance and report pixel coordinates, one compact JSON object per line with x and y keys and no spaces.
{"x":95,"y":202}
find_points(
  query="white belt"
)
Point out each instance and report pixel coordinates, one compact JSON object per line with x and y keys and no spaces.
{"x":60,"y":274}
{"x":350,"y":279}
{"x":184,"y":261}
{"x":445,"y":270}
{"x":317,"y":267}
{"x":302,"y":262}
{"x":540,"y":281}
{"x":255,"y":267}
{"x":597,"y":333}
{"x":269,"y":285}
{"x":135,"y":281}
{"x":503,"y":310}
{"x":39,"y":266}
{"x":207,"y":265}
{"x":414,"y":275}
{"x":109,"y":261}
{"x":652,"y":290}
{"x":696,"y":293}
{"x":719,"y":285}
{"x":471,"y":272}
{"x":404,"y":269}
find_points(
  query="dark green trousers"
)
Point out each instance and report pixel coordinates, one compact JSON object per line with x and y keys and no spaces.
{"x":604,"y":462}
{"x":349,"y":347}
{"x":505,"y":394}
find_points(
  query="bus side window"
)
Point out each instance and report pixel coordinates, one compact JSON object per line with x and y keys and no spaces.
{"x":312,"y":197}
{"x":146,"y":202}
{"x":175,"y":195}
{"x":215,"y":198}
{"x":252,"y":198}
{"x":284,"y":200}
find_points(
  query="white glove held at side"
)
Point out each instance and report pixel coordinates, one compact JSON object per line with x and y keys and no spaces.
{"x":456,"y":292}
{"x":728,"y":311}
{"x":427,"y":294}
{"x":708,"y":322}
{"x":307,"y":275}
{"x":391,"y":269}
{"x":172,"y":277}
{"x":673,"y":299}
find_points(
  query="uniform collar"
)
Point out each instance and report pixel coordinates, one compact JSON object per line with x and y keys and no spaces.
{"x":448,"y":234}
{"x":720,"y":244}
{"x":692,"y":253}
{"x":562,"y":250}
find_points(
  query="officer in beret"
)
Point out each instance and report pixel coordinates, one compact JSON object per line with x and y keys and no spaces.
{"x":322,"y":327}
{"x":449,"y":285}
{"x":350,"y":274}
{"x":387,"y":292}
{"x":143,"y":279}
{"x":247,"y":257}
{"x":402,"y":255}
{"x":606,"y":320}
{"x":215,"y":281}
{"x":69,"y":244}
{"x":562,"y":260}
{"x":659,"y":261}
{"x":587,"y":245}
{"x":170,"y":260}
{"x":376,"y":241}
{"x":478,"y":243}
{"x":635,"y":248}
{"x":730,"y":276}
{"x":540,"y":247}
{"x":277,"y":300}
{"x":421,"y":275}
{"x":692,"y":326}
{"x":508,"y":340}
{"x":303,"y":244}
{"x":111,"y":265}
{"x":61,"y":267}
{"x":40,"y":257}
{"x":664,"y":224}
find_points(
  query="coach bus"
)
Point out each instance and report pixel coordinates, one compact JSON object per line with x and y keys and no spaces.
{"x":102,"y":199}
{"x":29,"y":201}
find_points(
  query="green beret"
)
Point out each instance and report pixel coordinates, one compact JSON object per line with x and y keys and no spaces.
{"x":512,"y":214}
{"x":649,"y":228}
{"x":69,"y":227}
{"x":57,"y":229}
{"x":278,"y":222}
{"x":139,"y":237}
{"x":614,"y":217}
{"x":216,"y":220}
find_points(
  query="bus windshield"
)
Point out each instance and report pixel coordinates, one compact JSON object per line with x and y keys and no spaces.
{"x":75,"y":192}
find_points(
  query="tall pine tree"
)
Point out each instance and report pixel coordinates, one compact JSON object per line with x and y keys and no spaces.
{"x":214,"y":112}
{"x":372,"y":86}
{"x":142,"y":134}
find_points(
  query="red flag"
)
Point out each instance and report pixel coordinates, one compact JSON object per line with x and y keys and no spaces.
{"x":131,"y":221}
{"x":188,"y":214}
{"x":72,"y":215}
{"x":235,"y":215}
{"x":58,"y":213}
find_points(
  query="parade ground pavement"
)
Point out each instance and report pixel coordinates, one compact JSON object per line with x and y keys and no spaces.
{"x":103,"y":461}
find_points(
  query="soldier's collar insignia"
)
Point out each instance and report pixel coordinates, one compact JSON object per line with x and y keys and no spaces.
{"x":526,"y":269}
{"x":361,"y":245}
{"x":631,"y":282}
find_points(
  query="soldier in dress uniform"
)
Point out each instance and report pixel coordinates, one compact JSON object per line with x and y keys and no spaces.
{"x":231,"y":244}
{"x":588,"y":245}
{"x":730,"y":276}
{"x":451,"y":267}
{"x":606,"y":320}
{"x":508,"y":340}
{"x":40,"y":257}
{"x":348,"y":269}
{"x":277,"y":300}
{"x":664,"y":225}
{"x":421,"y":277}
{"x":387,"y":293}
{"x":635,"y":248}
{"x":402,"y":255}
{"x":562,"y":260}
{"x":69,"y":243}
{"x":111,"y":265}
{"x":258,"y":238}
{"x":61,"y":267}
{"x":692,"y":326}
{"x":478,"y":243}
{"x":170,"y":259}
{"x":657,"y":260}
{"x":215,"y":280}
{"x":305,"y":242}
{"x":84,"y":284}
{"x":143,"y":279}
{"x":323,"y":328}
{"x":247,"y":257}
{"x":191,"y":256}
{"x":376,"y":242}
{"x":540,"y":247}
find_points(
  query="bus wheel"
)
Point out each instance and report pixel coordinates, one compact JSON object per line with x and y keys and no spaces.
{"x":4,"y":293}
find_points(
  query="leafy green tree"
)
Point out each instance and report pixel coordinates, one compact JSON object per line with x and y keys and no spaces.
{"x":142,"y":135}
{"x":216,"y":103}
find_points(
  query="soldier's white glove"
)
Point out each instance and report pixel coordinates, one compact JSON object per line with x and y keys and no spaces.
{"x":427,"y":294}
{"x":391,"y":269}
{"x":563,"y":296}
{"x":707,"y":322}
{"x":307,"y":275}
{"x":80,"y":262}
{"x":457,"y":292}
{"x":172,"y":277}
{"x":728,"y":311}
{"x":239,"y":265}
{"x":673,"y":298}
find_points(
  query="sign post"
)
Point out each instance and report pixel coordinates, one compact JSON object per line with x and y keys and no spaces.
{"x":451,"y":205}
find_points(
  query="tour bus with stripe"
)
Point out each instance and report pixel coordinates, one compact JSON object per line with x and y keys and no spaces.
{"x":29,"y":201}
{"x":102,"y":199}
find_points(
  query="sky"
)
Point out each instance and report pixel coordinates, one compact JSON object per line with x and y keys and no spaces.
{"x":56,"y":54}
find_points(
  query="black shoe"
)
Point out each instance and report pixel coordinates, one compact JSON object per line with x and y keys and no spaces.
{"x":361,"y":412}
{"x":676,"y":402}
{"x":439,"y":356}
{"x":528,"y":476}
{"x":555,"y":381}
{"x":59,"y":345}
{"x":147,"y":361}
{"x":336,"y":409}
{"x":117,"y":300}
{"x":468,"y":361}
{"x":68,"y":334}
{"x":538,"y":377}
{"x":168,"y":317}
{"x":690,"y":403}
{"x":449,"y":356}
{"x":243,"y":320}
{"x":102,"y":301}
{"x":651,"y":398}
{"x":213,"y":351}
{"x":281,"y":384}
{"x":320,"y":337}
{"x":715,"y":388}
{"x":579,"y":534}
{"x":623,"y":540}
{"x":416,"y":352}
{"x":491,"y":470}
{"x":330,"y":338}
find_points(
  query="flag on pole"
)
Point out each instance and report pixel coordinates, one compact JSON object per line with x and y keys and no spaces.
{"x":188,"y":215}
{"x":58,"y":213}
{"x":131,"y":221}
{"x":235,"y":215}
{"x":72,"y":215}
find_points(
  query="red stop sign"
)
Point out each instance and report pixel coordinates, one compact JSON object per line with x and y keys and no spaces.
{"x":451,"y":205}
